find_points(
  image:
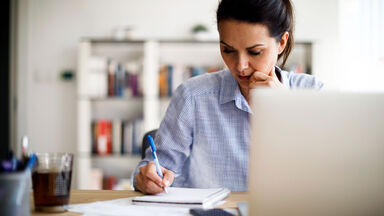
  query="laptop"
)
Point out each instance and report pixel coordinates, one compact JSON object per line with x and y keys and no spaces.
{"x":316,"y":153}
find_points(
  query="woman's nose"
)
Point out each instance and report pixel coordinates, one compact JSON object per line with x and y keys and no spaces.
{"x":242,"y":63}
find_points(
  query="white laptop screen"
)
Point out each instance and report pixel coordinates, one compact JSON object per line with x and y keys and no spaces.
{"x":316,"y":153}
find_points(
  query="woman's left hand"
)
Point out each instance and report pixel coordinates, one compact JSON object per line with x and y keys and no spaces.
{"x":259,"y":79}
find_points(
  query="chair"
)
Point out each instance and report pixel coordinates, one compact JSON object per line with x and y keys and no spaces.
{"x":145,"y":143}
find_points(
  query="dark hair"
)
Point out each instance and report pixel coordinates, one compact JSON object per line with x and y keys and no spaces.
{"x":277,"y":15}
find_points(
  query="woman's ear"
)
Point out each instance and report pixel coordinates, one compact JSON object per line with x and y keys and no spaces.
{"x":283,"y":42}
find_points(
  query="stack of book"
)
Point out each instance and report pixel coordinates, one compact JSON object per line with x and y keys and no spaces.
{"x":171,"y":76}
{"x":110,"y":78}
{"x":117,"y":136}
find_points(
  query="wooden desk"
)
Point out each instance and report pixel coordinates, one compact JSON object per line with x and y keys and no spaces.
{"x":85,"y":196}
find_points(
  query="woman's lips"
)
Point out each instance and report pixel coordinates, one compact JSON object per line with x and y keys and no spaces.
{"x":245,"y":78}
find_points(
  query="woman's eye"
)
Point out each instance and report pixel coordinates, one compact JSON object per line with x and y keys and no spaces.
{"x":227,"y":51}
{"x":254,"y":52}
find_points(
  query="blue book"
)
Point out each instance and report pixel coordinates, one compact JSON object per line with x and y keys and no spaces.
{"x":170,"y":77}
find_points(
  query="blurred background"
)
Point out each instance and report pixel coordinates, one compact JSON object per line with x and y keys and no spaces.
{"x":92,"y":76}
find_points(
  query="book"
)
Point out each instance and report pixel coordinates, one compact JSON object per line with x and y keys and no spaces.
{"x":94,"y":137}
{"x":138,"y":132}
{"x":111,"y":77}
{"x":170,"y":79}
{"x":116,"y":136}
{"x":171,"y":76}
{"x":122,"y":79}
{"x":104,"y":137}
{"x":126,"y":145}
{"x":119,"y":81}
{"x":97,"y":78}
{"x":163,"y":81}
{"x":132,"y":79}
{"x":184,"y":197}
{"x":101,"y":137}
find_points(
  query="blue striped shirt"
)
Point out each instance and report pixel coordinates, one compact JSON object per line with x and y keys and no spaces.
{"x":204,"y":135}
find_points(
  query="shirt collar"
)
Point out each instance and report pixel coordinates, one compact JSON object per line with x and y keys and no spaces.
{"x":229,"y":88}
{"x":230,"y":91}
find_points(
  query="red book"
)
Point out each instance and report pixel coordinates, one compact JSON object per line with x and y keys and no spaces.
{"x":109,"y":137}
{"x":104,"y":137}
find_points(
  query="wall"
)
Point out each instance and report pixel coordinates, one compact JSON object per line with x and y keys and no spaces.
{"x":49,"y":31}
{"x":318,"y":21}
{"x":361,"y":39}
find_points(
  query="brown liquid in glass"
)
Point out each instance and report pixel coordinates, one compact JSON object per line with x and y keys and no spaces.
{"x":51,"y":188}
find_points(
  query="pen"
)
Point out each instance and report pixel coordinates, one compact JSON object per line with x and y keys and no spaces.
{"x":155,"y":160}
{"x":31,"y":162}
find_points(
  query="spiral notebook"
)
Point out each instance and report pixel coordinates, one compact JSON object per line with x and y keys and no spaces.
{"x":184,"y":197}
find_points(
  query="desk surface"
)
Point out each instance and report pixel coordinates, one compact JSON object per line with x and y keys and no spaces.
{"x":84,"y":196}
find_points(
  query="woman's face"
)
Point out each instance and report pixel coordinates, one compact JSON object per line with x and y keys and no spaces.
{"x":247,"y":48}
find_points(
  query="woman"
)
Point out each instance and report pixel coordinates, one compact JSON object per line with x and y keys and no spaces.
{"x":203,"y":140}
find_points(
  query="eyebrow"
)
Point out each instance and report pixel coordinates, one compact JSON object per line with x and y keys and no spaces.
{"x":251,"y":47}
{"x":227,"y":44}
{"x":256,"y":45}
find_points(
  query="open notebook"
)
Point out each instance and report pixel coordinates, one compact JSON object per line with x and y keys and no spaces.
{"x":184,"y":197}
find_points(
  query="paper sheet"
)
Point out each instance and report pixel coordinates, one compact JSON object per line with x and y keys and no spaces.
{"x":124,"y":207}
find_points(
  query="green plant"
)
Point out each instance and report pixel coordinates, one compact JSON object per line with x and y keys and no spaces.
{"x":199,"y":28}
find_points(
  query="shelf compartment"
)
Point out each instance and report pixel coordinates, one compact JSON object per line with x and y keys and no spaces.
{"x":116,"y":108}
{"x":120,"y":166}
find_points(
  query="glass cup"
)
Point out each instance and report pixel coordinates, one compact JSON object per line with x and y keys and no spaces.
{"x":51,"y":181}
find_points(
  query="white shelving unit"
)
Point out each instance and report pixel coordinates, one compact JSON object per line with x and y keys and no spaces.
{"x":151,"y":54}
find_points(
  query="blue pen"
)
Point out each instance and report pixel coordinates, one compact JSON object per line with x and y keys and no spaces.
{"x":155,"y":160}
{"x":31,"y":162}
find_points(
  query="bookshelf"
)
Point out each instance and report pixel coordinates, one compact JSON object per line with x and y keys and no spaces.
{"x":143,"y":100}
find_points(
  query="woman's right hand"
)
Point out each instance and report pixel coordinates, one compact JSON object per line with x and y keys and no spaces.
{"x":149,"y":182}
